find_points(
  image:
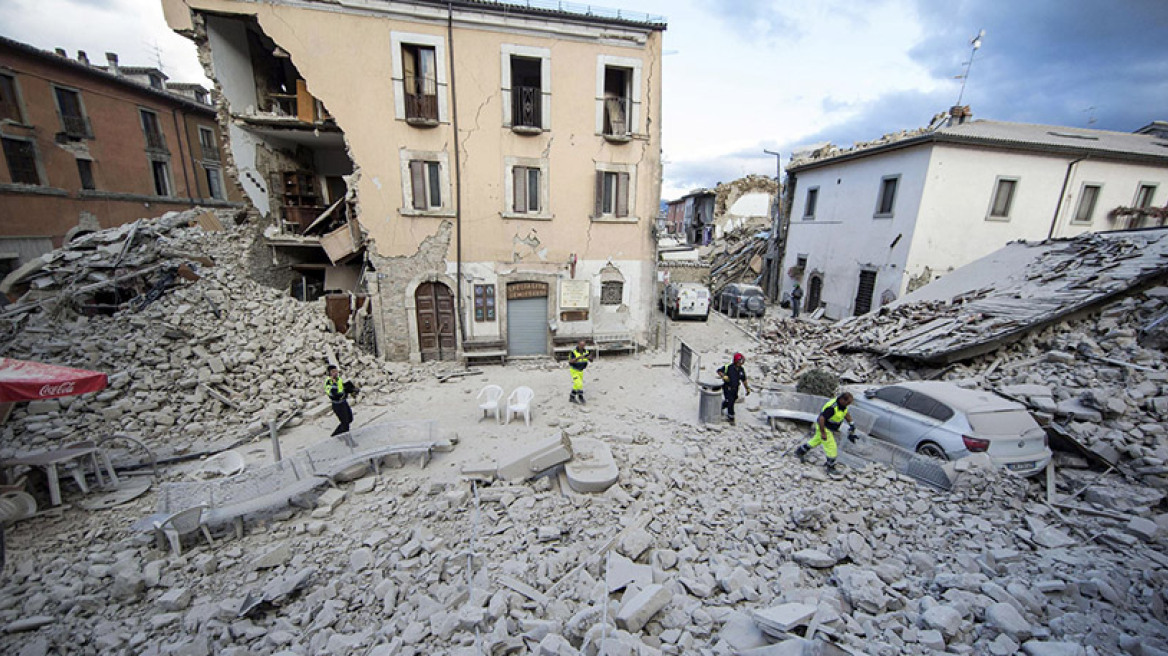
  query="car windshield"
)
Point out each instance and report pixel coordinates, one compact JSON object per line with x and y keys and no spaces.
{"x":751,"y":292}
{"x":1006,"y":422}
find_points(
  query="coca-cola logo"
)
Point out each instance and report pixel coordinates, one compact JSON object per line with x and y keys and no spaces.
{"x":60,"y":389}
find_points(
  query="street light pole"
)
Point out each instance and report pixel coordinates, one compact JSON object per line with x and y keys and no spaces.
{"x":772,"y":276}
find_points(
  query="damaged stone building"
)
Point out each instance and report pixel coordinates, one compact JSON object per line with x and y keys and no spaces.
{"x":88,"y":147}
{"x":704,"y":215}
{"x":485,"y":174}
{"x":871,"y":223}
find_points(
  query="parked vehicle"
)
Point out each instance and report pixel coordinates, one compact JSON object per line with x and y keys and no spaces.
{"x":738,"y":300}
{"x":947,"y":422}
{"x":685,"y":299}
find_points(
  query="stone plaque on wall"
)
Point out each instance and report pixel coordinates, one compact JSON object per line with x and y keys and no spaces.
{"x":574,"y":294}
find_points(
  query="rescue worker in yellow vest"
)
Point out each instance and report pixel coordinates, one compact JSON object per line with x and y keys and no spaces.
{"x":834,"y":413}
{"x":577,"y":363}
{"x":338,"y":392}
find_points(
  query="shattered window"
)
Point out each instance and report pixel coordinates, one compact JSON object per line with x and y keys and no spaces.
{"x":9,"y":107}
{"x":611,"y":292}
{"x":161,"y":173}
{"x":214,"y":182}
{"x":21,"y":157}
{"x":85,"y":172}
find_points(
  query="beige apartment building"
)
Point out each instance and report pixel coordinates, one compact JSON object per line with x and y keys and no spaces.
{"x":487,"y":174}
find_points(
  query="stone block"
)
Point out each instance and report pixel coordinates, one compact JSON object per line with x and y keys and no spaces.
{"x":784,"y":617}
{"x":175,"y":599}
{"x":538,"y":458}
{"x":331,"y":498}
{"x":814,"y":558}
{"x":620,"y":572}
{"x":1052,"y":648}
{"x":273,"y":558}
{"x":636,"y":612}
{"x":1145,"y":529}
{"x":1006,"y":619}
{"x":592,"y":467}
{"x":945,"y":619}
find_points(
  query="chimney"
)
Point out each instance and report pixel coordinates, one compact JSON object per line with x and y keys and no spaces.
{"x":112,"y":58}
{"x":82,"y":57}
{"x":959,"y":114}
{"x":61,"y":52}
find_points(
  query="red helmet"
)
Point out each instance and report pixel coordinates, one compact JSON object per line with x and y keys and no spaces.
{"x":738,"y":357}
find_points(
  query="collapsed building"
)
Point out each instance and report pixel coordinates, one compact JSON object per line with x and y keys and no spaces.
{"x":484,"y":176}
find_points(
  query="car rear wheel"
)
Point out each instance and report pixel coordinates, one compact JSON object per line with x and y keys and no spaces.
{"x":931,"y":450}
{"x":755,"y":304}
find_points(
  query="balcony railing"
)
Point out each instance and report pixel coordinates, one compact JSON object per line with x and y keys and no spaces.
{"x":9,"y":110}
{"x":617,"y":111}
{"x":77,"y":127}
{"x":210,"y":153}
{"x":527,"y":107}
{"x":155,"y":141}
{"x":421,"y":94}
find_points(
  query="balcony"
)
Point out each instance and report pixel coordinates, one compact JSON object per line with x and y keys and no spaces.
{"x":76,"y":127}
{"x":421,"y":96}
{"x":210,"y":153}
{"x":617,"y":110}
{"x":527,"y":110}
{"x":155,"y":141}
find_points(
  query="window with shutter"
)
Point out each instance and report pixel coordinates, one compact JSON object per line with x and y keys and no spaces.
{"x":622,"y":194}
{"x":418,"y":184}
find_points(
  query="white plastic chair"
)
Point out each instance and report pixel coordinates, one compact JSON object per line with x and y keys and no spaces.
{"x":491,"y":406}
{"x":520,"y":403}
{"x":179,"y":524}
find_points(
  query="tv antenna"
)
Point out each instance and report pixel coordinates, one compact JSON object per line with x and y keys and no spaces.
{"x":975,"y":44}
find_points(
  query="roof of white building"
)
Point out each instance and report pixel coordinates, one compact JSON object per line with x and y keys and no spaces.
{"x":1104,"y":144}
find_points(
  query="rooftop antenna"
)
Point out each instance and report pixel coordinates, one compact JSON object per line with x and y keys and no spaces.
{"x":1091,"y":120}
{"x":155,"y":50}
{"x":975,"y":43}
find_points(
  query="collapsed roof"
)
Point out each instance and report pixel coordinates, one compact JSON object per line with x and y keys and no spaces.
{"x":1009,"y":293}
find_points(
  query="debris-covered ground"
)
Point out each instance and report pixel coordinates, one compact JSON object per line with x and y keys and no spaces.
{"x":714,"y":540}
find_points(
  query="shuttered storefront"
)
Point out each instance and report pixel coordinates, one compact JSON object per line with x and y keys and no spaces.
{"x":527,"y":318}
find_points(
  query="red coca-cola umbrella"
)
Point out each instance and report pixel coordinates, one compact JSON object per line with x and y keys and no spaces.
{"x":21,"y":380}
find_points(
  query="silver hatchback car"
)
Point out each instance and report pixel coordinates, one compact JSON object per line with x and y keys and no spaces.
{"x":948,"y":422}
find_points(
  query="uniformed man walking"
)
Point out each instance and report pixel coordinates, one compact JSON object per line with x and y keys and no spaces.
{"x":577,"y":363}
{"x":732,"y":375}
{"x":338,"y":391}
{"x":834,"y":413}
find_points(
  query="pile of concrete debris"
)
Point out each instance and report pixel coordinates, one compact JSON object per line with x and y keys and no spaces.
{"x":713,"y":544}
{"x":1090,"y":374}
{"x":195,"y":364}
{"x":736,"y":258}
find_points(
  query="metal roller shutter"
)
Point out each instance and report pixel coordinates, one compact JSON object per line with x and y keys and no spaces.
{"x":527,"y":326}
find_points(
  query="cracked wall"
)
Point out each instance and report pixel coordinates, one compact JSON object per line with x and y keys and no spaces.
{"x":323,"y":44}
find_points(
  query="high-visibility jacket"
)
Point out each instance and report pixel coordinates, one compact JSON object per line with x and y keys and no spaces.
{"x":578,"y":359}
{"x":833,"y":415}
{"x":336,"y":389}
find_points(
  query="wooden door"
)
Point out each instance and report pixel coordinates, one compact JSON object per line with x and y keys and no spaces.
{"x":435,"y":310}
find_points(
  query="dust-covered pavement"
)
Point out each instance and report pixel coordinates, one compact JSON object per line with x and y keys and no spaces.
{"x":710,"y":534}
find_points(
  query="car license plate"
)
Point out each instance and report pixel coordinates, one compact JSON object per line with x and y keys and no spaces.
{"x":1018,"y":466}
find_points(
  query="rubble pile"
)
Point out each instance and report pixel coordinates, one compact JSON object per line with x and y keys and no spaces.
{"x":716,"y":545}
{"x":210,"y":362}
{"x":737,"y":258}
{"x":1091,"y":374}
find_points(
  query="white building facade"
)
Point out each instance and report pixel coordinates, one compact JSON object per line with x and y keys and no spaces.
{"x":870,"y":224}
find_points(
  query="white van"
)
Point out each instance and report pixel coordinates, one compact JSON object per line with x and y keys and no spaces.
{"x":686,"y":299}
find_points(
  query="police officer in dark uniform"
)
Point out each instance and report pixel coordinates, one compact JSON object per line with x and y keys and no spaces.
{"x":338,"y":391}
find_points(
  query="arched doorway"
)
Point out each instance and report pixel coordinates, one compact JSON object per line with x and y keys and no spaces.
{"x":527,"y":318}
{"x":814,"y":292}
{"x":435,"y":310}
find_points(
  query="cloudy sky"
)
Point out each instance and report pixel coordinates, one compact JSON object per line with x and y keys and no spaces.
{"x":744,"y":75}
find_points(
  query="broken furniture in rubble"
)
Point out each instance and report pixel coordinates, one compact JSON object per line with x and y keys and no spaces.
{"x":271,"y":488}
{"x":73,"y":459}
{"x":172,"y":528}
